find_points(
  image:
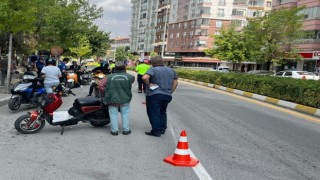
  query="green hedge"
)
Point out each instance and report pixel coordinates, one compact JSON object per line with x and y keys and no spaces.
{"x":305,"y":92}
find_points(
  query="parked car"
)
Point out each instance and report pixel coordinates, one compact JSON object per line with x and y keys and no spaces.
{"x":298,"y":75}
{"x":222,"y":69}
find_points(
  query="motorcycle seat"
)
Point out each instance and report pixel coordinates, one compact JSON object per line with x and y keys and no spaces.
{"x":88,"y":101}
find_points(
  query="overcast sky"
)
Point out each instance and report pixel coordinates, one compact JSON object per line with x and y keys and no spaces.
{"x":116,"y":17}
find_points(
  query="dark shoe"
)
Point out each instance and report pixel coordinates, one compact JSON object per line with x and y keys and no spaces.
{"x":89,"y":94}
{"x":151,"y":134}
{"x":114,"y":133}
{"x":163,"y":132}
{"x":2,"y":84}
{"x":126,"y":132}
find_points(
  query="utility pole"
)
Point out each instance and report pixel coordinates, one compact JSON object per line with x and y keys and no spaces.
{"x":9,"y":64}
{"x":165,"y":30}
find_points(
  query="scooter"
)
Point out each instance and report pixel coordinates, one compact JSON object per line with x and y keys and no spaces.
{"x":26,"y":91}
{"x":87,"y":110}
{"x":98,"y":76}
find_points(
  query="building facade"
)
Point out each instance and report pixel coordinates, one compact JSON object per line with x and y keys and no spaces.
{"x":193,"y":23}
{"x":309,"y":46}
{"x":180,"y":30}
{"x":143,"y":22}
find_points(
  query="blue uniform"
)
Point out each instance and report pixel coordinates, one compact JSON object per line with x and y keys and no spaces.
{"x":62,"y":66}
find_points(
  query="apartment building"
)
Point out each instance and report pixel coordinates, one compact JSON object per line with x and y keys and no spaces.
{"x":143,"y":21}
{"x":309,"y":46}
{"x":183,"y":29}
{"x":193,"y":22}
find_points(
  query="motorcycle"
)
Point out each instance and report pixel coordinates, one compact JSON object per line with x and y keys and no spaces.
{"x":98,"y":76}
{"x":87,"y":110}
{"x":26,"y":91}
{"x":72,"y":79}
{"x":85,"y":78}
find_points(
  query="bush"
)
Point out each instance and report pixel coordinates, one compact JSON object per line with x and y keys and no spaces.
{"x":305,"y":92}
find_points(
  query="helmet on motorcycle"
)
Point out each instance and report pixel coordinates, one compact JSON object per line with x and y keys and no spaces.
{"x":50,"y":61}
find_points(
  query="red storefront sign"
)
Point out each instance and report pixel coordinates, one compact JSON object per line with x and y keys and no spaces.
{"x":306,"y":55}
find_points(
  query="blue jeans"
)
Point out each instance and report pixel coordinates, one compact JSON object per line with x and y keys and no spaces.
{"x":48,"y":86}
{"x":113,"y":113}
{"x":157,"y":112}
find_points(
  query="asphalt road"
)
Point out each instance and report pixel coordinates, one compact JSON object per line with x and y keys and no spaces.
{"x":233,"y":137}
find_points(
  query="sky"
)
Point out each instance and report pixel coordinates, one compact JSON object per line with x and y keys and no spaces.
{"x":116,"y":17}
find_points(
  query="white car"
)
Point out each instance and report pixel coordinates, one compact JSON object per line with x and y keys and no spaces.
{"x":298,"y":75}
{"x":221,"y":69}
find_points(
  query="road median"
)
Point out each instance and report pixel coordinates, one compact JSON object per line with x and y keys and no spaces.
{"x":279,"y":102}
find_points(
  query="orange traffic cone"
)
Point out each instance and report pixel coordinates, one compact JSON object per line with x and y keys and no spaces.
{"x":181,"y":155}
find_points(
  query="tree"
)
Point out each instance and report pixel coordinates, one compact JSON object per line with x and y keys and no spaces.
{"x":64,"y":22}
{"x":99,"y":41}
{"x":121,"y":54}
{"x":229,"y":45}
{"x":82,"y":49}
{"x":274,"y":34}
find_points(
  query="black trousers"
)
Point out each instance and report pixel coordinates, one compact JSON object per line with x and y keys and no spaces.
{"x":141,"y":84}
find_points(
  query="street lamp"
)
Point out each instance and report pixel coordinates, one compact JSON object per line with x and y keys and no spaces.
{"x":165,"y":27}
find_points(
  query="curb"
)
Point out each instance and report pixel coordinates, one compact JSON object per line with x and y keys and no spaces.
{"x":287,"y":104}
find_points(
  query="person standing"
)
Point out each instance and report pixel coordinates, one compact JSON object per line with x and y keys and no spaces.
{"x":161,"y":82}
{"x":63,"y":69}
{"x":4,"y":69}
{"x":111,"y":66}
{"x":39,"y":65}
{"x":141,"y":69}
{"x":117,"y":89}
{"x":51,"y":74}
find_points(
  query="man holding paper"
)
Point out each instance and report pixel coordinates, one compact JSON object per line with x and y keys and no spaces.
{"x":161,"y":82}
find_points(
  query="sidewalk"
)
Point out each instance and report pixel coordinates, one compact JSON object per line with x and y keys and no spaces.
{"x":4,"y":98}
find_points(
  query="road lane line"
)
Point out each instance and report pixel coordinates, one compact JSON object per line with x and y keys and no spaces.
{"x":198,"y":169}
{"x":262,"y":103}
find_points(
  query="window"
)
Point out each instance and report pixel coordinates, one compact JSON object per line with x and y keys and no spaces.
{"x":177,"y":35}
{"x":237,"y":22}
{"x":218,"y":23}
{"x":311,"y":13}
{"x":222,"y":2}
{"x":191,"y":33}
{"x":269,"y":4}
{"x":184,"y":35}
{"x":220,"y":12}
{"x":238,"y":12}
{"x":171,"y":35}
{"x":172,"y":26}
{"x":205,"y":10}
{"x":203,"y":21}
{"x":143,"y":15}
{"x":185,"y":25}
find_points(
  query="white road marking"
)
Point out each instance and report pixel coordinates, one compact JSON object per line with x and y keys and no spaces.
{"x":198,"y":169}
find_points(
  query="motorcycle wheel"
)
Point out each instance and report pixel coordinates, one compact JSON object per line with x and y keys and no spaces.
{"x":21,"y":125}
{"x":99,"y":124}
{"x":14,"y":103}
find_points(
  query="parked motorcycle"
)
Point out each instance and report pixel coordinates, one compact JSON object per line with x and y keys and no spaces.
{"x":86,"y":109}
{"x":72,"y":79}
{"x":85,"y":77}
{"x":26,"y":91}
{"x":98,"y":76}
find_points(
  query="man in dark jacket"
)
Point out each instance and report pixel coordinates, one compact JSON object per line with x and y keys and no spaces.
{"x":118,"y":95}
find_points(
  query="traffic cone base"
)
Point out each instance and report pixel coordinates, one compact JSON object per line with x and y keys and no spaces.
{"x":191,"y":163}
{"x":181,"y":156}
